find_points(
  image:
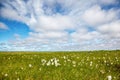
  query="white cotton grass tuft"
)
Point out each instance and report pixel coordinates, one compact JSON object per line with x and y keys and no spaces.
{"x":40,"y":69}
{"x":109,"y":77}
{"x":91,"y":63}
{"x":56,"y":61}
{"x":6,"y":75}
{"x":18,"y":78}
{"x":30,"y":65}
{"x":43,"y":61}
{"x":74,"y":65}
{"x":48,"y":63}
{"x":74,"y":62}
{"x":21,"y":68}
{"x":53,"y":61}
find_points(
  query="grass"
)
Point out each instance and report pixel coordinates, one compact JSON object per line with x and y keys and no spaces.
{"x":86,"y":65}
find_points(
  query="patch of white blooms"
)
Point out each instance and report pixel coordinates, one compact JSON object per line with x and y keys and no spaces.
{"x":6,"y":75}
{"x":53,"y":61}
{"x":21,"y":68}
{"x":74,"y":63}
{"x":18,"y":78}
{"x":91,"y":63}
{"x":109,"y":77}
{"x":30,"y":65}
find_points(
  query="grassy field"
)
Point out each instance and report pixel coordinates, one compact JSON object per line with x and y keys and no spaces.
{"x":91,"y":65}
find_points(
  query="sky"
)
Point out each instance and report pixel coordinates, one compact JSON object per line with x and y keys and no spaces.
{"x":59,"y":25}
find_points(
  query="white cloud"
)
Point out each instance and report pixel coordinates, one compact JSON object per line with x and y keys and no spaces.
{"x":50,"y":36}
{"x":84,"y":35}
{"x":3,"y":26}
{"x":95,"y":16}
{"x":56,"y":22}
{"x":110,"y":30}
{"x":12,"y":15}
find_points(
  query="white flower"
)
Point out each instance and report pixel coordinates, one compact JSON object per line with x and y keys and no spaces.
{"x":56,"y":62}
{"x":64,"y":57}
{"x":73,"y":62}
{"x":35,"y":55}
{"x":40,"y":69}
{"x":52,"y":60}
{"x":114,"y":77}
{"x":77,"y":57}
{"x":48,"y":64}
{"x":74,"y":65}
{"x":91,"y":63}
{"x":6,"y":74}
{"x":52,"y":63}
{"x":94,"y":58}
{"x":103,"y":57}
{"x":18,"y":79}
{"x":9,"y":58}
{"x":43,"y":61}
{"x":116,"y":58}
{"x":96,"y":65}
{"x":109,"y":77}
{"x":30,"y":65}
{"x":102,"y":71}
{"x":22,"y":68}
{"x":68,"y":60}
{"x":105,"y":61}
{"x":111,"y":63}
{"x":65,"y":61}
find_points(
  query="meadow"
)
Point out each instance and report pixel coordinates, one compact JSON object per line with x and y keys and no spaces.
{"x":84,"y":65}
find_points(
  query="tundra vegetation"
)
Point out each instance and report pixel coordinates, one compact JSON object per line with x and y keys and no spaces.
{"x":69,"y":65}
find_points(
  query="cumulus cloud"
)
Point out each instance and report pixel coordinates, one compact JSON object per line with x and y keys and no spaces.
{"x":3,"y":26}
{"x":64,"y":24}
{"x":95,"y":15}
{"x":57,"y":22}
{"x":110,"y":30}
{"x":82,"y":35}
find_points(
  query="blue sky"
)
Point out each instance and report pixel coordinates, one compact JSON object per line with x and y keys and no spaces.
{"x":59,"y":25}
{"x":14,"y":27}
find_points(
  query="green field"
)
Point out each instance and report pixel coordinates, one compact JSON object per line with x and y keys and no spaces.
{"x":88,"y":65}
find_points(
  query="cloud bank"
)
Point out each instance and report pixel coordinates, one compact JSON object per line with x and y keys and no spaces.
{"x":64,"y":24}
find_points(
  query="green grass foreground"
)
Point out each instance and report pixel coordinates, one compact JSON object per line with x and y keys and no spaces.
{"x":88,"y":65}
